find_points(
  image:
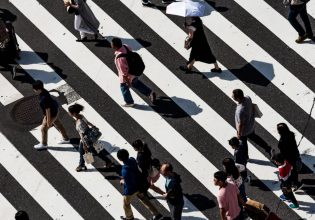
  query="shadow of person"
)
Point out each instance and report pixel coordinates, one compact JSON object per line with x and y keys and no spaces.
{"x":102,"y":43}
{"x":6,"y":15}
{"x":201,"y":202}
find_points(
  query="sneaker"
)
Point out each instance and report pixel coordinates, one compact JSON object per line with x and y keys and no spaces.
{"x":283,"y":198}
{"x":294,"y":206}
{"x":214,"y":70}
{"x":152,"y":97}
{"x":128,"y":105}
{"x":40,"y":146}
{"x":64,"y":141}
{"x":82,"y":39}
{"x":300,"y":39}
{"x":79,"y":168}
{"x":157,"y":217}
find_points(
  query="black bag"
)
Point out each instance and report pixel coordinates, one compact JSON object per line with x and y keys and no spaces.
{"x":91,"y":135}
{"x":305,"y":1}
{"x":135,"y":62}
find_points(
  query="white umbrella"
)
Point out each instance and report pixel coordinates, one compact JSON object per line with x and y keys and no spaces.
{"x":187,"y":8}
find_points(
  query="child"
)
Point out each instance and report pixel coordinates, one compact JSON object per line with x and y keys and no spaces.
{"x":285,"y":177}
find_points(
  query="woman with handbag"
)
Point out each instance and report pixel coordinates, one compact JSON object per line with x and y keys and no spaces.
{"x":84,"y":21}
{"x":200,"y":49}
{"x":85,"y":146}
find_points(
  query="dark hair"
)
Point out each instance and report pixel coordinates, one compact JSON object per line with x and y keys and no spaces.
{"x":168,"y":167}
{"x":123,"y":155}
{"x":283,"y":129}
{"x":220,"y":175}
{"x":21,"y":215}
{"x":142,"y":146}
{"x":234,"y":141}
{"x":38,"y":85}
{"x":230,"y":168}
{"x":278,"y":158}
{"x":117,"y":42}
{"x":75,"y":108}
{"x":238,"y":94}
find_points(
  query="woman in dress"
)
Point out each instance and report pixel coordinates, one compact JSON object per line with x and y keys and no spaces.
{"x":81,"y":125}
{"x":84,"y":21}
{"x":200,"y":49}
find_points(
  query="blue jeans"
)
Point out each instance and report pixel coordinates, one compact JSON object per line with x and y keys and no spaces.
{"x":296,"y":10}
{"x":138,"y":85}
{"x":101,"y":154}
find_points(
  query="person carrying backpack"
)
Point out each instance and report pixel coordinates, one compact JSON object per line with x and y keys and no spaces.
{"x":129,"y":66}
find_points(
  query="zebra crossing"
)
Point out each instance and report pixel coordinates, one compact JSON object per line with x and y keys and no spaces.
{"x":192,"y":141}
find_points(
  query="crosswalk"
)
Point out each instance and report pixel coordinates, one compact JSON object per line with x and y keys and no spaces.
{"x":189,"y":126}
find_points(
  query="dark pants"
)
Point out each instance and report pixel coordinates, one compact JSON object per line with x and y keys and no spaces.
{"x":101,"y":154}
{"x":257,"y":140}
{"x":296,"y":10}
{"x":138,"y":85}
{"x":287,"y":191}
{"x":176,"y":210}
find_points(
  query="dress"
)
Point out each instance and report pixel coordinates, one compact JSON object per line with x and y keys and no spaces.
{"x":85,"y":21}
{"x":200,"y":49}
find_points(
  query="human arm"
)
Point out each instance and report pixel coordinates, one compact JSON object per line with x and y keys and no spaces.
{"x":123,"y":69}
{"x":68,"y":3}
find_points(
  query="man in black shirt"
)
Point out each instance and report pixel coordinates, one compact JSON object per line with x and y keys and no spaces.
{"x":50,"y":110}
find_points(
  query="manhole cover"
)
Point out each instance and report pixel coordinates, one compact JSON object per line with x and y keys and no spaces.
{"x":27,"y":111}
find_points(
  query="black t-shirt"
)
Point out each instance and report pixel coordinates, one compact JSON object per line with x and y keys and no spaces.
{"x":46,"y":101}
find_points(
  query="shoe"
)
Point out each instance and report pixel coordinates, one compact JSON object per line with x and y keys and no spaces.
{"x":283,"y":198}
{"x":185,"y":69}
{"x":63,"y":141}
{"x":157,"y":217}
{"x":214,"y":70}
{"x":300,"y":39}
{"x":128,"y":105}
{"x":79,"y":168}
{"x":152,"y":97}
{"x":82,"y":39}
{"x":124,"y":218}
{"x":148,"y":3}
{"x":40,"y":146}
{"x":293,"y":206}
{"x":167,"y":1}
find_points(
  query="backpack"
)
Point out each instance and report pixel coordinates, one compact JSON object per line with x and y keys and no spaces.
{"x":135,"y":62}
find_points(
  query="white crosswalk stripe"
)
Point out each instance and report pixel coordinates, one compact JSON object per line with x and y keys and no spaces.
{"x":7,"y":210}
{"x":187,"y":155}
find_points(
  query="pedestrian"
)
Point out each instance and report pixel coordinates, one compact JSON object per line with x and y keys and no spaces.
{"x":126,"y":79}
{"x":289,"y":149}
{"x":21,"y":215}
{"x":148,"y":167}
{"x":228,"y":197}
{"x":149,"y":3}
{"x":81,"y":125}
{"x":200,"y":49}
{"x":50,"y":110}
{"x":298,"y":7}
{"x":174,"y":193}
{"x":285,"y":169}
{"x":84,"y":20}
{"x":234,"y":176}
{"x":130,"y":180}
{"x":245,"y":122}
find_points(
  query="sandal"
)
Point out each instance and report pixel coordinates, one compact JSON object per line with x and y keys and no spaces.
{"x":79,"y":168}
{"x":185,"y":69}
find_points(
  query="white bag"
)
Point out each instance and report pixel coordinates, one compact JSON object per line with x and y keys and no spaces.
{"x":257,"y":112}
{"x":88,"y":157}
{"x":98,"y":146}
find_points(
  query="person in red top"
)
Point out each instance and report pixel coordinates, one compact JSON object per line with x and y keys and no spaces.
{"x":285,"y":177}
{"x":228,"y":198}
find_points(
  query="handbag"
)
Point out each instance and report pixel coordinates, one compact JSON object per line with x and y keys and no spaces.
{"x":187,"y":44}
{"x":91,"y":135}
{"x":88,"y":157}
{"x":257,"y":112}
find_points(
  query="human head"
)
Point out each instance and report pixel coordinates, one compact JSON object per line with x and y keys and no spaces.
{"x":229,"y":165}
{"x":238,"y":95}
{"x":278,"y":159}
{"x":138,"y":145}
{"x":75,"y":109}
{"x":234,"y":142}
{"x":283,"y":128}
{"x":116,"y":43}
{"x":38,"y":86}
{"x":219,"y":178}
{"x":21,"y":215}
{"x":123,"y":155}
{"x":166,"y":169}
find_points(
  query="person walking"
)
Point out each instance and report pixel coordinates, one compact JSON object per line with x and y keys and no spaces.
{"x":81,"y":125}
{"x":174,"y":193}
{"x":289,"y":149}
{"x":50,"y":110}
{"x":200,"y":49}
{"x":130,"y":180}
{"x":228,"y":197}
{"x":298,"y":7}
{"x":126,"y":79}
{"x":245,"y":122}
{"x":84,"y":21}
{"x":285,"y":169}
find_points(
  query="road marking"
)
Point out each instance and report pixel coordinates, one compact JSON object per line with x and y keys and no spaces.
{"x":225,"y":81}
{"x":7,"y":211}
{"x":8,"y":93}
{"x":34,"y":183}
{"x":311,"y":8}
